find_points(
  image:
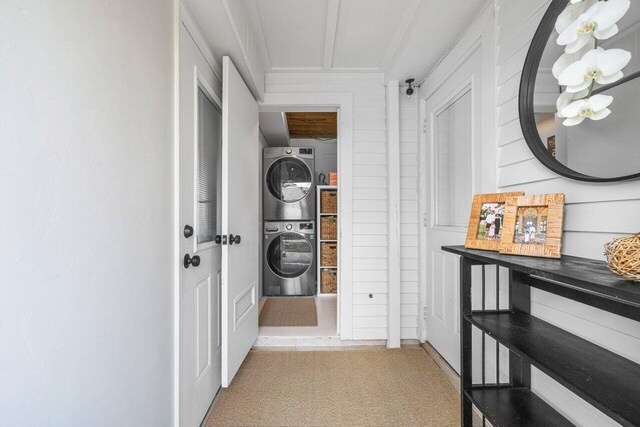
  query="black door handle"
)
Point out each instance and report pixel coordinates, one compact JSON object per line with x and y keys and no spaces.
{"x":188,"y":231}
{"x":195,"y":261}
{"x":218,"y":239}
{"x":234,"y":239}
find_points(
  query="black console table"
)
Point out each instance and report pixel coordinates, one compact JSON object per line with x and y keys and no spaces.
{"x":606,"y":380}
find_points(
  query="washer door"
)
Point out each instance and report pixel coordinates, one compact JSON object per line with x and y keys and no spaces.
{"x":290,"y":255}
{"x":289,"y":179}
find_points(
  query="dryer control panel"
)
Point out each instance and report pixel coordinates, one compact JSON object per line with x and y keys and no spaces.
{"x":305,"y":227}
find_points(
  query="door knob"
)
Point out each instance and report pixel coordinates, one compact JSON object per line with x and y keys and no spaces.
{"x":234,"y":239}
{"x":188,"y":231}
{"x":195,"y":261}
{"x":218,"y":239}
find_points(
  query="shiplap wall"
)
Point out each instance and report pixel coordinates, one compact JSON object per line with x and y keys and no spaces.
{"x":409,"y":215}
{"x":370,"y":208}
{"x":594,"y":214}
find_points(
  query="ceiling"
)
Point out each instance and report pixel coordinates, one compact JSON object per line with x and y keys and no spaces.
{"x":279,"y":128}
{"x":273,"y":126}
{"x":398,"y":38}
{"x":402,"y":38}
{"x":312,"y":125}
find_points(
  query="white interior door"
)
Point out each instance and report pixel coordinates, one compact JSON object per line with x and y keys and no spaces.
{"x":200,"y":219}
{"x":452,"y":168}
{"x":240,"y":201}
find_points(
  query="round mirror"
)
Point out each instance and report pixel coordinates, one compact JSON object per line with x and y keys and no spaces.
{"x":580,"y":90}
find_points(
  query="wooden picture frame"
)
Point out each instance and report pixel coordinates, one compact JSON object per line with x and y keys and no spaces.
{"x":533,"y":226}
{"x":477,"y":240}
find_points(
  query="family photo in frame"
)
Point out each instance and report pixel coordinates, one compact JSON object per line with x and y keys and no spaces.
{"x":491,"y":220}
{"x":515,"y":224}
{"x":533,"y":226}
{"x":486,"y":222}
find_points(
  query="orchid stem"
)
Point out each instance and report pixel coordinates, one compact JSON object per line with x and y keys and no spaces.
{"x":593,"y":82}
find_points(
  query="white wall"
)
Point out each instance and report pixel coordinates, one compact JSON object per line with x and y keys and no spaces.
{"x":326,"y":154}
{"x":369,"y":188}
{"x":585,"y":231}
{"x":409,"y":215}
{"x":86,"y":260}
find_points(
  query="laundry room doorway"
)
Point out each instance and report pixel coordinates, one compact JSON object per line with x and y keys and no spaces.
{"x":302,"y":231}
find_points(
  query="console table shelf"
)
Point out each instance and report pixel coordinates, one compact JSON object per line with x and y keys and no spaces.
{"x":515,"y":406}
{"x":606,"y":380}
{"x":597,"y":375}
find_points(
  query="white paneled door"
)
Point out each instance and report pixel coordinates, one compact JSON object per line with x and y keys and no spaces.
{"x":200,"y":223}
{"x":452,"y":171}
{"x":240,"y":214}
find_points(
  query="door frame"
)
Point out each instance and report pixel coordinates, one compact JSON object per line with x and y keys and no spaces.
{"x":480,"y":35}
{"x":343,"y":101}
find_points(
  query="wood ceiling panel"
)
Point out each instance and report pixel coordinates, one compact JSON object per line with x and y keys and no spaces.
{"x":312,"y":125}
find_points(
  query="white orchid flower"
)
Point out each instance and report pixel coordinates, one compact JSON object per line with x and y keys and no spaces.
{"x":594,"y":108}
{"x":563,"y":101}
{"x":567,"y":59}
{"x":567,"y":98}
{"x":572,"y":12}
{"x":598,"y":21}
{"x":603,"y":66}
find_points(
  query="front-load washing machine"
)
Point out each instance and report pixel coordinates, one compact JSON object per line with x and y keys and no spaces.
{"x":288,"y":187}
{"x":289,"y":258}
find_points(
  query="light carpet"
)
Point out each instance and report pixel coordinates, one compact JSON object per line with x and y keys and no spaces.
{"x":378,"y":387}
{"x":289,"y":311}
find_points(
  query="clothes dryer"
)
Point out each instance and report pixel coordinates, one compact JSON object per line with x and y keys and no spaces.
{"x":289,"y":184}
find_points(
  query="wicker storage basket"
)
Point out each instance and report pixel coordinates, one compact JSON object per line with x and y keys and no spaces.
{"x":623,"y":256}
{"x":328,"y":228}
{"x":329,"y":282}
{"x":329,"y":201}
{"x":328,"y":255}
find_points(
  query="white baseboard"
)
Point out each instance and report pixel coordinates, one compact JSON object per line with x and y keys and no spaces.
{"x":446,"y":369}
{"x":320,"y":344}
{"x":453,"y":378}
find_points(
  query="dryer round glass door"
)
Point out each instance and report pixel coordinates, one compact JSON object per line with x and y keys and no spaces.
{"x":289,"y":179}
{"x":290,"y":255}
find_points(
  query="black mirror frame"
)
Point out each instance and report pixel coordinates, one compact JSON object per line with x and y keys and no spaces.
{"x":525,"y":104}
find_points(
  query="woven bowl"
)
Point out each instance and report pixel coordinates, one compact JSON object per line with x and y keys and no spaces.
{"x":623,"y":256}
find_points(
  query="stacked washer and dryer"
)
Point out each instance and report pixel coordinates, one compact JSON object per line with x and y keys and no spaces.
{"x":289,"y":221}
